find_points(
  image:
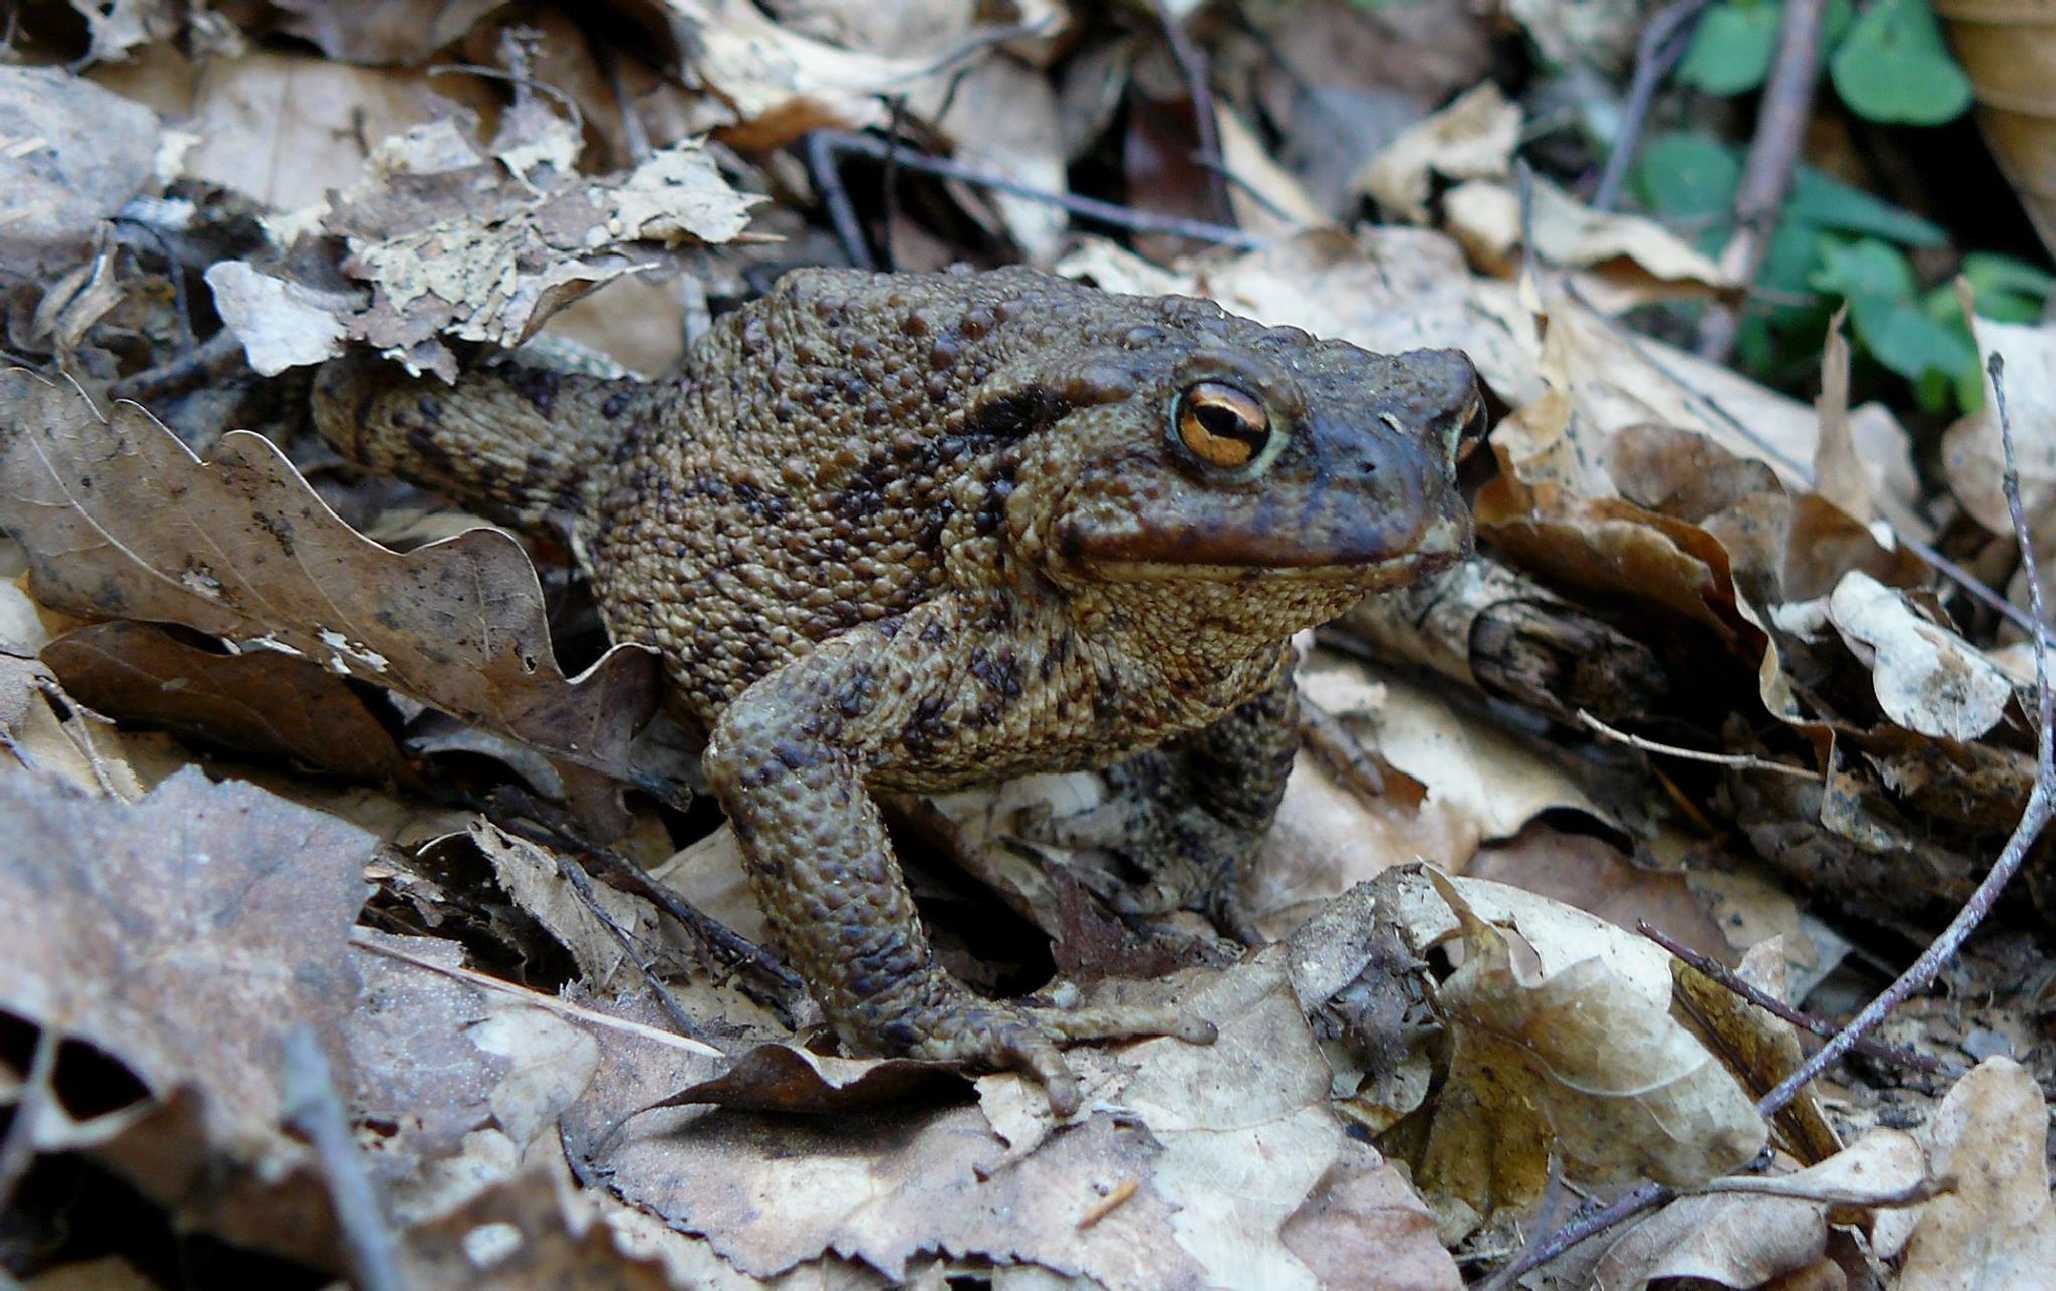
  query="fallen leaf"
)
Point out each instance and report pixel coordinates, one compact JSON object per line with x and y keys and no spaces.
{"x":1472,"y":138}
{"x":138,"y":930}
{"x":1744,"y":1240}
{"x":1973,"y":457}
{"x":71,"y":154}
{"x":1998,"y":1227}
{"x":530,"y":876}
{"x":121,"y":521}
{"x":383,"y":31}
{"x":1574,"y":1048}
{"x":1927,"y":678}
{"x":533,"y":1230}
{"x":261,"y":701}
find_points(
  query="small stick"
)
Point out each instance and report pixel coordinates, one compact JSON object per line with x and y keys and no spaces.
{"x":2040,"y":804}
{"x":361,"y":939}
{"x":1725,"y":976}
{"x":1193,"y":64}
{"x":1663,"y":43}
{"x":842,"y":213}
{"x":1746,"y":761}
{"x":313,"y":1108}
{"x":1773,"y":157}
{"x":1089,"y":208}
{"x":18,"y":1145}
{"x":630,"y":946}
{"x":1109,"y":1204}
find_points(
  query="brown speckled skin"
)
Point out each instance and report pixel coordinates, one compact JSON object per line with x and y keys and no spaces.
{"x":913,"y":532}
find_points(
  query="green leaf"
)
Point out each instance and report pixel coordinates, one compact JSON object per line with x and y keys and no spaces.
{"x":1732,"y":47}
{"x":1864,"y":268}
{"x":1826,"y":202}
{"x":1685,"y":176}
{"x":1991,"y":273}
{"x":1894,"y":67}
{"x":1900,"y":335}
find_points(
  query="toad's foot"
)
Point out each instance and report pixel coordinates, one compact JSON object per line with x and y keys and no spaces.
{"x":950,"y":1024}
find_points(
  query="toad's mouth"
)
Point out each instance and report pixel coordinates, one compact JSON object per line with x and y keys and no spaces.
{"x":1435,"y":547}
{"x":1441,"y":546}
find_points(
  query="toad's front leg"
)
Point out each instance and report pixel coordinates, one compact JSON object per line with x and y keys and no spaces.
{"x":788,"y":760}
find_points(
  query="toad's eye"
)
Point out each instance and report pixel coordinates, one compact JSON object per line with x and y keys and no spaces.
{"x":1221,"y":425}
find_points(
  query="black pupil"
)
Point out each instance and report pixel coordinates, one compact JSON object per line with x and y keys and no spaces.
{"x":1225,"y":422}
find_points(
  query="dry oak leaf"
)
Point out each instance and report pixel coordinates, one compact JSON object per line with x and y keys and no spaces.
{"x":1998,"y":1227}
{"x":120,"y":520}
{"x":1190,"y":1166}
{"x":1563,"y":1033}
{"x":139,"y":930}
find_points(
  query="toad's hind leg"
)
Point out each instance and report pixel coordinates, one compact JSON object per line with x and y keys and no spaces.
{"x":787,"y":760}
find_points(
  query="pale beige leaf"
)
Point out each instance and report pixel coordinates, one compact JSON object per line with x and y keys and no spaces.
{"x":1927,"y":678}
{"x":1998,"y":1228}
{"x":1744,"y":1240}
{"x":1973,"y":458}
{"x":1472,"y":138}
{"x":1578,"y":1052}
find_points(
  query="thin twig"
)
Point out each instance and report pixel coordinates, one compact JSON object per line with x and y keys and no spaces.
{"x":1663,"y":43}
{"x":835,"y":197}
{"x":1782,"y":1186}
{"x":630,"y":945}
{"x":1744,"y":761}
{"x":1781,"y":119}
{"x":362,"y":939}
{"x":1251,"y":191}
{"x":315,"y":1110}
{"x":217,"y":356}
{"x":1192,"y":63}
{"x":1724,"y":976}
{"x":2039,"y":807}
{"x":1089,"y":208}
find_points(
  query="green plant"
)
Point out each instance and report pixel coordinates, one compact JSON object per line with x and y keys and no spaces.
{"x":1889,"y":62}
{"x":1835,"y":243}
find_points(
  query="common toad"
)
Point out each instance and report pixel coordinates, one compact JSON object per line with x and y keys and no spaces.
{"x":914,"y":532}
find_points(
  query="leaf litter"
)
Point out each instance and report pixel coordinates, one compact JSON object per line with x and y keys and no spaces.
{"x":1409,"y":1077}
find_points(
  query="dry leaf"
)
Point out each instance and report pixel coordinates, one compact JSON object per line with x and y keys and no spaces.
{"x":121,"y":521}
{"x":262,"y":701}
{"x":1998,"y":1228}
{"x":1974,"y":459}
{"x":1743,"y":1240}
{"x":1623,"y":260}
{"x":529,"y":874}
{"x":1472,"y":138}
{"x":1927,"y":678}
{"x":1838,"y":470}
{"x":383,"y":31}
{"x":770,"y":85}
{"x":452,"y":244}
{"x":1574,"y":1047}
{"x":139,"y":930}
{"x":71,"y":154}
{"x":1219,"y":1164}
